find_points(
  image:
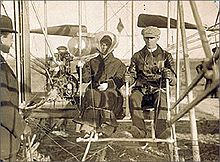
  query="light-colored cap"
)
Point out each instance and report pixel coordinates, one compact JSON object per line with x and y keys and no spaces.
{"x":150,"y":31}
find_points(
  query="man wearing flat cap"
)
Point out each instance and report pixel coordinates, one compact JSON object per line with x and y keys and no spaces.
{"x":12,"y":125}
{"x":149,"y":69}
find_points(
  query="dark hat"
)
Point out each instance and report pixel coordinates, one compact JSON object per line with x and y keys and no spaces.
{"x":107,"y":40}
{"x":150,"y":31}
{"x":6,"y":24}
{"x":62,"y":48}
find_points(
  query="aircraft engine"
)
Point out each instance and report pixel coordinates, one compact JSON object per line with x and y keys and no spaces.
{"x":61,"y":77}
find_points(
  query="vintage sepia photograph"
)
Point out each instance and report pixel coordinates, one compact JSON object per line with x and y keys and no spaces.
{"x":109,"y":80}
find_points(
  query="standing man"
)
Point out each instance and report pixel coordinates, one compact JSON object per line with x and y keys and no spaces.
{"x":12,"y":124}
{"x":149,"y":69}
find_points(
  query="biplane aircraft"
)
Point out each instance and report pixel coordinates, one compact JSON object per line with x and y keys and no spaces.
{"x":60,"y":84}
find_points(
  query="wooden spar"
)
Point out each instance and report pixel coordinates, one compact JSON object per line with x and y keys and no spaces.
{"x":132,"y":27}
{"x":26,"y":34}
{"x":88,"y":146}
{"x":172,"y":129}
{"x":124,"y":140}
{"x":53,"y":113}
{"x":188,"y":89}
{"x":177,"y":59}
{"x":203,"y":37}
{"x":194,"y":102}
{"x":195,"y":146}
{"x":167,"y":81}
{"x":201,"y":30}
{"x":17,"y":54}
{"x":105,"y":15}
{"x":45,"y":28}
{"x":177,"y":83}
{"x":15,"y":26}
{"x":45,"y":42}
{"x":80,"y":51}
{"x":127,"y":112}
{"x":21,"y":52}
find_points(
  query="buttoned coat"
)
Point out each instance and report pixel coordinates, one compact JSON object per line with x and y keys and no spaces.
{"x":144,"y":67}
{"x":147,"y":72}
{"x":12,"y":124}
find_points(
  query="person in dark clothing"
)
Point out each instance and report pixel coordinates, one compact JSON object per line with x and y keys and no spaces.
{"x":11,"y":123}
{"x":208,"y":72}
{"x":149,"y":69}
{"x":102,"y":102}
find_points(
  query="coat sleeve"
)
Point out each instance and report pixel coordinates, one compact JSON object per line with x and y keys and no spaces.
{"x":118,"y":80}
{"x":169,"y":63}
{"x":86,"y":73}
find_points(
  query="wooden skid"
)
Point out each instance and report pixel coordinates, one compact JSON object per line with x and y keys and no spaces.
{"x":54,"y":113}
{"x":124,"y":140}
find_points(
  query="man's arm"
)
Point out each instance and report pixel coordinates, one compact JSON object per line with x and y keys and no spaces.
{"x":169,"y":71}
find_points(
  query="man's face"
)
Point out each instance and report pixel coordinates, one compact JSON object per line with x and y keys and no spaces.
{"x":104,"y":48}
{"x":7,"y":40}
{"x":151,"y":42}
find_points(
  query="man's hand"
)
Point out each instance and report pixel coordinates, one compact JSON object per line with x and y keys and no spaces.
{"x":208,"y":74}
{"x":103,"y":86}
{"x":167,"y":74}
{"x":81,"y":63}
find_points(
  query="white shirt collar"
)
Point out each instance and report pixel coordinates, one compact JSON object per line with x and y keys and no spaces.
{"x":152,"y":50}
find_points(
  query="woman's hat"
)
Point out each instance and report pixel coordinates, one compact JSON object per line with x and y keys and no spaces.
{"x":108,"y":37}
{"x":6,"y":24}
{"x":107,"y":40}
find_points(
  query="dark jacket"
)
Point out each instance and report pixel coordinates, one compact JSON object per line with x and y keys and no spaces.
{"x":11,"y":123}
{"x":145,"y":67}
{"x":109,"y":69}
{"x":99,"y":70}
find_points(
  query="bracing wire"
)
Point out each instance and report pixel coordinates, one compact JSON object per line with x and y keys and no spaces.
{"x":112,"y":16}
{"x":56,"y":142}
{"x":44,"y":33}
{"x":3,"y":6}
{"x":124,"y":28}
{"x":118,"y":17}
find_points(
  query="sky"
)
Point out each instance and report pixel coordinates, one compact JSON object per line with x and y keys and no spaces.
{"x":66,"y":12}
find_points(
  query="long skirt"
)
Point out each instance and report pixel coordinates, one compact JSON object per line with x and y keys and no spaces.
{"x":102,"y":107}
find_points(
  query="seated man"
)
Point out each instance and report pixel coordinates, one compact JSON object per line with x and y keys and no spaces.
{"x":149,"y":68}
{"x":106,"y":75}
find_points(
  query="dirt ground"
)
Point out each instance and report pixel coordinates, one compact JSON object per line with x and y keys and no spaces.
{"x":67,"y":149}
{"x":60,"y":148}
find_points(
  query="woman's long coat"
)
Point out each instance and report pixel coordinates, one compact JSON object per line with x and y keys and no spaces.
{"x":99,"y":70}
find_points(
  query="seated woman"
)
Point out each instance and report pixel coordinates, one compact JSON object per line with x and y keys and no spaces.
{"x":102,"y":102}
